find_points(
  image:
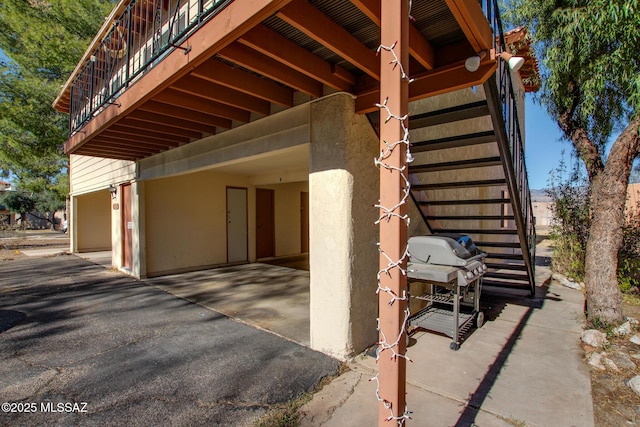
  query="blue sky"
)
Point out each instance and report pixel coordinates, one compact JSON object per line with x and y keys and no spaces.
{"x":543,"y":144}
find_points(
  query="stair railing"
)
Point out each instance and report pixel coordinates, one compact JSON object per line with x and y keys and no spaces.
{"x":516,"y":168}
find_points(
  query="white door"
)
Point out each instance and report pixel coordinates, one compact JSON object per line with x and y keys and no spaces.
{"x":237,"y":224}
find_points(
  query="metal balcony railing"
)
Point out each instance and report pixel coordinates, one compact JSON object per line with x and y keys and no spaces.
{"x":517,"y":170}
{"x":145,"y":32}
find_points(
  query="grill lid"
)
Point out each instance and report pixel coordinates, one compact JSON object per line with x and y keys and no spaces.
{"x":454,"y":250}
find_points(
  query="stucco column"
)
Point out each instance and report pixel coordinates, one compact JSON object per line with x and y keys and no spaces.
{"x":138,"y":213}
{"x":116,"y":229}
{"x":72,"y":227}
{"x":343,"y":187}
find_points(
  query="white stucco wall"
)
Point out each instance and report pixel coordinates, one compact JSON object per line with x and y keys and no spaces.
{"x":343,"y":187}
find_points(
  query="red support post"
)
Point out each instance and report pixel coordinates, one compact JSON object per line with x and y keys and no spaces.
{"x":394,"y":56}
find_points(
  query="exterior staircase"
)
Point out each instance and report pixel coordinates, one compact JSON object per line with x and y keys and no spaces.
{"x":468,"y":176}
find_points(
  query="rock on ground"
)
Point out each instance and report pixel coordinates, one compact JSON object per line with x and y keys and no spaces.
{"x":594,"y":338}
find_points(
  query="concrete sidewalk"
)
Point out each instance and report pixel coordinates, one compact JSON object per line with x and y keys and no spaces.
{"x":522,"y":368}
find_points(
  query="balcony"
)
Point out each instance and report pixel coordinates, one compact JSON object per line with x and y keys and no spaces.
{"x":160,"y":74}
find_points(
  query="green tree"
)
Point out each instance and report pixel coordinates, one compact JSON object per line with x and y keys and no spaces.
{"x":19,"y":202}
{"x":43,"y":40}
{"x":591,"y":85}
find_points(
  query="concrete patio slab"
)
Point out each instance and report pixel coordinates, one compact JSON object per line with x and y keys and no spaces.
{"x":271,"y":297}
{"x":523,"y":367}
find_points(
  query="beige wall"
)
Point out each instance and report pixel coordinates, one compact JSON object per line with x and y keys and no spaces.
{"x":287,"y":216}
{"x":343,"y":187}
{"x":185,"y":224}
{"x":92,"y":227}
{"x":93,"y":173}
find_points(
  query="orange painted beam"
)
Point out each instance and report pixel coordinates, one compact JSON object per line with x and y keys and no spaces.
{"x":128,"y":145}
{"x":154,"y":118}
{"x":442,"y":80}
{"x":306,"y":18}
{"x":419,"y":47}
{"x":132,"y":123}
{"x":255,"y":61}
{"x":229,"y":24}
{"x":127,"y":136}
{"x":191,"y":102}
{"x":185,"y":114}
{"x":279,"y":48}
{"x":473,"y":23}
{"x":242,"y":81}
{"x":394,"y":92}
{"x":222,"y":94}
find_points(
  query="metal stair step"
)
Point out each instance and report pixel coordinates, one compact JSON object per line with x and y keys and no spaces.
{"x":507,"y":276}
{"x":475,"y":231}
{"x":498,"y":284}
{"x":449,"y":115}
{"x":464,"y":202}
{"x":469,"y":217}
{"x":453,"y":142}
{"x":461,"y":184}
{"x":497,"y":244}
{"x":515,"y":267}
{"x":456,"y":165}
{"x":504,"y":256}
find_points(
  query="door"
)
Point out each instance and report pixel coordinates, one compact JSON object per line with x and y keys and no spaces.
{"x":127,"y":227}
{"x":237,"y":224}
{"x":265,"y":228}
{"x":304,"y":222}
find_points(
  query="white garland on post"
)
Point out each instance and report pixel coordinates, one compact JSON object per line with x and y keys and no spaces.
{"x":386,"y":214}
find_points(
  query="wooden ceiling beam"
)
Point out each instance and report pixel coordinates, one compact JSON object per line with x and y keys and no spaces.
{"x":191,"y":102}
{"x":135,"y":132}
{"x":306,"y":18}
{"x":131,"y":145}
{"x":259,"y":63}
{"x":278,"y":47}
{"x":107,"y":147}
{"x":127,"y":137}
{"x":431,"y":83}
{"x":186,"y":114}
{"x":419,"y":47}
{"x":473,"y":23}
{"x":243,"y":81}
{"x":130,"y":122}
{"x":154,"y":118}
{"x":206,"y":89}
{"x":114,"y":150}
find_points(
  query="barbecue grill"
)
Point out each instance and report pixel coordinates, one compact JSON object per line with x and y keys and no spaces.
{"x":452,"y":267}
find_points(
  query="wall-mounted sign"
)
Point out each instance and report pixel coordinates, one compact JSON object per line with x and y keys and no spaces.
{"x":130,"y":225}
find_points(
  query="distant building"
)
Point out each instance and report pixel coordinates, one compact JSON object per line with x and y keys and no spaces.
{"x":6,"y":216}
{"x":542,"y":208}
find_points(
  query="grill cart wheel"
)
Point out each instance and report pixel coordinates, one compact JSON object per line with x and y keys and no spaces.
{"x":480,"y":320}
{"x":454,"y":346}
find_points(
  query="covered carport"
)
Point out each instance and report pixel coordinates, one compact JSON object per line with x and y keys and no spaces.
{"x":91,"y":227}
{"x":225,"y":214}
{"x":268,"y":296}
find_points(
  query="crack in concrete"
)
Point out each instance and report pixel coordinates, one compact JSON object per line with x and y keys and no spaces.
{"x":328,"y":414}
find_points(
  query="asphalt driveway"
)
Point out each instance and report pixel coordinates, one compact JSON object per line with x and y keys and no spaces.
{"x":81,"y":345}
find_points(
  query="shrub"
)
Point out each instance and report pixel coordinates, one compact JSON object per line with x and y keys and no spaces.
{"x":570,"y":227}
